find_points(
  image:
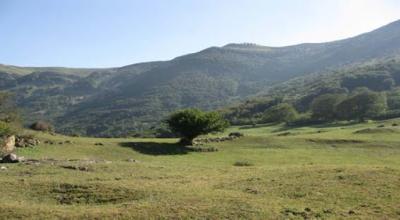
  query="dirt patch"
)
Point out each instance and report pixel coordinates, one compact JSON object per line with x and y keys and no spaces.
{"x":285,"y":134}
{"x":335,"y":141}
{"x":377,"y":131}
{"x":80,"y":168}
{"x":70,"y":194}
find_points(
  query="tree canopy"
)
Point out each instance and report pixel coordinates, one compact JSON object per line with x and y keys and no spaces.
{"x":283,"y":112}
{"x":362,"y":105}
{"x":190,"y":123}
{"x":324,"y":107}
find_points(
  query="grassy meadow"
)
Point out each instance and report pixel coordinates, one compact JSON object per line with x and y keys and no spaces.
{"x":338,"y":171}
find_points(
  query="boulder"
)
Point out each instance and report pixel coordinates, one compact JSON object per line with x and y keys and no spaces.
{"x":236,"y":134}
{"x":8,"y":145}
{"x":10,"y":158}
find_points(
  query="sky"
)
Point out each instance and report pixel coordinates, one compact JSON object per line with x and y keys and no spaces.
{"x":111,"y":33}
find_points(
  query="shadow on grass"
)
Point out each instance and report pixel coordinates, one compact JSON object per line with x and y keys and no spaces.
{"x":153,"y":148}
{"x":257,"y":126}
{"x":319,"y":125}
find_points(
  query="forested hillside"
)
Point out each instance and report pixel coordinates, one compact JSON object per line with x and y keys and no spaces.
{"x":379,"y":77}
{"x":133,"y":99}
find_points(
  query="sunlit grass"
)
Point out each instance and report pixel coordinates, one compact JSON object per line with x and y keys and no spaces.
{"x":308,"y":172}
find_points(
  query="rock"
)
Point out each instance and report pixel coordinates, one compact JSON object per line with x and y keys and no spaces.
{"x":10,"y":158}
{"x":68,"y":142}
{"x":132,"y":160}
{"x":21,"y":159}
{"x":49,"y":142}
{"x":80,"y":168}
{"x":3,"y":168}
{"x":98,"y":144}
{"x":236,"y":134}
{"x":8,"y":145}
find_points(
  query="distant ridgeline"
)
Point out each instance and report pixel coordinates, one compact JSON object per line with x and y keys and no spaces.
{"x":132,"y":100}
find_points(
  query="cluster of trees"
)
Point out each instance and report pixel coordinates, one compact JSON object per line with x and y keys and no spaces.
{"x":354,"y":93}
{"x":359,"y":105}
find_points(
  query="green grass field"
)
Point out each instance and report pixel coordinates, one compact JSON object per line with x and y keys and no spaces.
{"x":326,"y":172}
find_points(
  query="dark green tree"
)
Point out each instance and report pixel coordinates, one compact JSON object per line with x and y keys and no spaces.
{"x":324,"y":107}
{"x":362,"y":105}
{"x":393,"y":99}
{"x":190,"y":123}
{"x":283,"y":112}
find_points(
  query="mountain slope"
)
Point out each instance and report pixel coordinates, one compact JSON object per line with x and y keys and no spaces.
{"x":118,"y":101}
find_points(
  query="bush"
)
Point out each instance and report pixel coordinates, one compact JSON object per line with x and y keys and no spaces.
{"x":41,"y":126}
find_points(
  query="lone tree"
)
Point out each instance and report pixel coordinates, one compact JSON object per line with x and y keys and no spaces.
{"x":190,"y":123}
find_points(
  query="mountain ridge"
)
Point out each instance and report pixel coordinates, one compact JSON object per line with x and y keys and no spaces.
{"x":134,"y":98}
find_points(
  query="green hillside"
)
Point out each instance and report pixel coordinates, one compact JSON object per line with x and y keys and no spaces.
{"x":133,"y":99}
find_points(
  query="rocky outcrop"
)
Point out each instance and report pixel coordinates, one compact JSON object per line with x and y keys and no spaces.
{"x":26,"y":141}
{"x":236,"y":134}
{"x":7,"y":145}
{"x":232,"y":136}
{"x":12,"y":158}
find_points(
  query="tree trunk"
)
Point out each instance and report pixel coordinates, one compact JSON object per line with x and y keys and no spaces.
{"x":186,"y":141}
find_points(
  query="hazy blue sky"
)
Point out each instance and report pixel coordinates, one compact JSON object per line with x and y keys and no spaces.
{"x":104,"y":33}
